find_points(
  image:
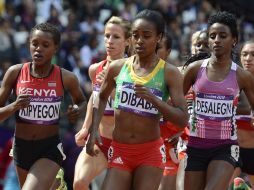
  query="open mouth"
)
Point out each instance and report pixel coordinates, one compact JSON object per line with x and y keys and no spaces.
{"x":140,"y":49}
{"x":37,"y":56}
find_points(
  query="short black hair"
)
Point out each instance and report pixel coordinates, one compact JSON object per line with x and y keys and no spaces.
{"x":225,"y":18}
{"x":153,"y":16}
{"x":50,"y":28}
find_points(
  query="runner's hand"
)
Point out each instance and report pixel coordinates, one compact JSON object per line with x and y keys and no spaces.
{"x":80,"y":137}
{"x":91,"y":140}
{"x":143,"y":92}
{"x":73,"y":113}
{"x":100,"y":77}
{"x":22,"y":101}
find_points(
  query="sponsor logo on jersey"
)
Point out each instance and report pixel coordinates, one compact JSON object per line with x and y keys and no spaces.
{"x":37,"y":92}
{"x":118,"y":160}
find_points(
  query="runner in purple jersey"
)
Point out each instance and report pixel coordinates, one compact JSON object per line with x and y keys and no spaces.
{"x":212,"y":148}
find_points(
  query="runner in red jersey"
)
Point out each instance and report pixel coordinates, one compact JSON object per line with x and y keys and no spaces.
{"x":117,"y":41}
{"x":244,"y":119}
{"x":39,"y":85}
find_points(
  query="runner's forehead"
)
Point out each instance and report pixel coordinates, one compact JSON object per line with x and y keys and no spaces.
{"x":144,"y":26}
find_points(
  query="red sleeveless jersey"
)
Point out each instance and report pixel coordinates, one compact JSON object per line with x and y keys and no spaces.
{"x":46,"y":96}
{"x":109,"y":110}
{"x":98,"y":70}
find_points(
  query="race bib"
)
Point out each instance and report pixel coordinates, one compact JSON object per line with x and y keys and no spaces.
{"x":130,"y":102}
{"x":42,"y":110}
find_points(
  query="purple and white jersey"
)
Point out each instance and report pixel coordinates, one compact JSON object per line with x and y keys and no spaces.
{"x":214,"y":106}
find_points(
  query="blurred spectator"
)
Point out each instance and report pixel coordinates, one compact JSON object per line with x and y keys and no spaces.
{"x":7,"y":47}
{"x":72,"y":28}
{"x":114,"y":4}
{"x":74,"y":63}
{"x":43,"y":9}
{"x":128,"y":10}
{"x":90,"y":7}
{"x":27,"y":12}
{"x":5,"y":64}
{"x":91,"y":26}
{"x":2,"y":7}
{"x":89,"y":53}
{"x":21,"y":40}
{"x":54,"y":17}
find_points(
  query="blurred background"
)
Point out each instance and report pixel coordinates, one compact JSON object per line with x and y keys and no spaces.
{"x":81,"y":23}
